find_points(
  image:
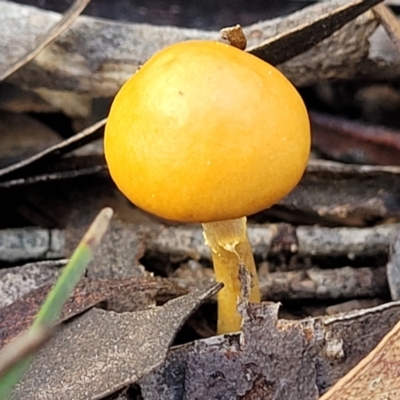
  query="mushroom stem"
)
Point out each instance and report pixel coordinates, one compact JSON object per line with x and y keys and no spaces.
{"x":230,"y":246}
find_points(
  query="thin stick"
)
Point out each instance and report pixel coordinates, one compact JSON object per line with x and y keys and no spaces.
{"x":389,"y":22}
{"x":69,"y":17}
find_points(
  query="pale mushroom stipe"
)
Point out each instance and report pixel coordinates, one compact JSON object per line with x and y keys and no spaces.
{"x":207,"y":133}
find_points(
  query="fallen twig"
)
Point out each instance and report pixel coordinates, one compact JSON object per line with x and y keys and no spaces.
{"x":302,"y":241}
{"x":108,"y":52}
{"x":390,"y":22}
{"x":355,"y":142}
{"x":328,"y":284}
{"x":85,"y":136}
{"x":69,"y":17}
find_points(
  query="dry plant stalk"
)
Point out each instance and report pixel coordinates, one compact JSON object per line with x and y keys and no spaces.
{"x":390,"y":23}
{"x":69,"y":17}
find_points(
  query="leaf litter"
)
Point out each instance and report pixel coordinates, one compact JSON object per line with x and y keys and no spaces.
{"x":100,"y":352}
{"x":19,"y":315}
{"x":261,"y":380}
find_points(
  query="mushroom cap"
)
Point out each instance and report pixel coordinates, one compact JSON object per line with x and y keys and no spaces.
{"x":206,"y":132}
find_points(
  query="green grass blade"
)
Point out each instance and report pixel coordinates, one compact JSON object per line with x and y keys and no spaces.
{"x":52,"y":306}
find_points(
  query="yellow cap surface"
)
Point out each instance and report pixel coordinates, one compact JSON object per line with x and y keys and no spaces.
{"x":206,"y":132}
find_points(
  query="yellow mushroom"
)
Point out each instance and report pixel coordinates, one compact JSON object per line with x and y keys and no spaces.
{"x":208,"y":133}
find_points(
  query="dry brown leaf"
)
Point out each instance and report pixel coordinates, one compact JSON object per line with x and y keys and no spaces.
{"x":16,"y":282}
{"x":272,"y":359}
{"x":128,"y":293}
{"x":302,"y":35}
{"x":376,"y":377}
{"x":26,"y":344}
{"x":101,"y":352}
